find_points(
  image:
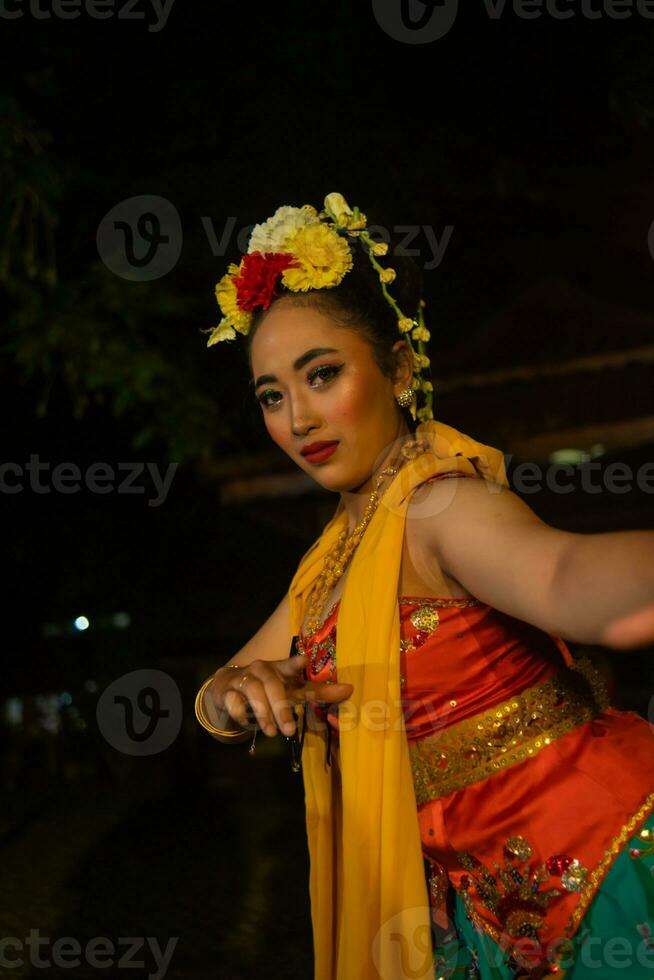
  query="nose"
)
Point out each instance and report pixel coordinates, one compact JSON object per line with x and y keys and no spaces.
{"x":300,"y":428}
{"x":303,"y":420}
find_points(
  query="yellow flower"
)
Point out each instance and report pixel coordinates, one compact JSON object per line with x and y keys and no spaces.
{"x":226,"y":290}
{"x":323,"y":258}
{"x":420,"y":361}
{"x":427,"y":386}
{"x":379,"y":248}
{"x":352,"y":223}
{"x":421,"y":333}
{"x":346,"y":217}
{"x":387,"y":275}
{"x":224,"y":331}
{"x":243,"y":323}
{"x":226,"y":296}
{"x":425,"y":414}
{"x":337,"y":204}
{"x":405,"y":325}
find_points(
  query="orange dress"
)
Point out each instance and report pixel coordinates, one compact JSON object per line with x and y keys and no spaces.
{"x":527,"y":782}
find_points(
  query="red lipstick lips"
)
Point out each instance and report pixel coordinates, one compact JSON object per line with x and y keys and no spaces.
{"x":316,"y":452}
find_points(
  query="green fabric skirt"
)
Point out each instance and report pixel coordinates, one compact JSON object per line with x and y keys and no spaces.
{"x":615,"y":938}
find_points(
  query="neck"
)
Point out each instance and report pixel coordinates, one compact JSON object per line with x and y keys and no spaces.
{"x":356,"y":500}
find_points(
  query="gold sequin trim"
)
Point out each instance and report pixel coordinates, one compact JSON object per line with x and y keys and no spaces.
{"x":425,"y":618}
{"x":508,"y":733}
{"x":611,"y":852}
{"x":438,"y":884}
{"x":442,"y":603}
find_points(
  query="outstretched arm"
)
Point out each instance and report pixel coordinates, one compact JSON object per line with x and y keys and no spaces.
{"x":633,"y":630}
{"x":572,"y":585}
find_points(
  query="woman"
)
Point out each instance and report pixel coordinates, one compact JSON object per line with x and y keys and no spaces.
{"x":474,"y":806}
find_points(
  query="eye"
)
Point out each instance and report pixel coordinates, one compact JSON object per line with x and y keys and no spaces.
{"x":326,"y":372}
{"x":331,"y":371}
{"x":263,"y":397}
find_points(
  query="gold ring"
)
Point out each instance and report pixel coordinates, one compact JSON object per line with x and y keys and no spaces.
{"x":244,"y":678}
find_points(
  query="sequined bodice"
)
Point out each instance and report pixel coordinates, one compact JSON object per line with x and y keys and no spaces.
{"x":457,"y":658}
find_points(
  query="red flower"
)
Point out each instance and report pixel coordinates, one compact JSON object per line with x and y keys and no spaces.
{"x":256,"y":284}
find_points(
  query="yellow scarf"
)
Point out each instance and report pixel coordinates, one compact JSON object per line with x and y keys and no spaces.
{"x":369,"y":903}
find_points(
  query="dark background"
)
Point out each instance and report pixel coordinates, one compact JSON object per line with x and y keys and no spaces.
{"x":531,"y":139}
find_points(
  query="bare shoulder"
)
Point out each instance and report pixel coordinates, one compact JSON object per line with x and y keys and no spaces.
{"x":443,"y":505}
{"x":487,"y":538}
{"x":272,"y":639}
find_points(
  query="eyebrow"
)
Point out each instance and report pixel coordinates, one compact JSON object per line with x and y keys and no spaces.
{"x":297,"y":364}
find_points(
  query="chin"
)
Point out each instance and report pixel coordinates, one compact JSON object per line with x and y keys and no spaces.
{"x":328,"y":480}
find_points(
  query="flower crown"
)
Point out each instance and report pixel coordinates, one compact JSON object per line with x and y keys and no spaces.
{"x":300,"y":249}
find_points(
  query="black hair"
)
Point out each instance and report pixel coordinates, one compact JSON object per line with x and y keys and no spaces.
{"x":359,"y":304}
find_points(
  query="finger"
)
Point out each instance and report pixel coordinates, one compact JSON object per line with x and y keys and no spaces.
{"x":251,"y":688}
{"x":282,"y":702}
{"x":294,"y":665}
{"x":237,"y":707}
{"x":333,"y":693}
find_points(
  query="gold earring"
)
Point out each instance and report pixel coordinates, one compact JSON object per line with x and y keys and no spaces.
{"x":405,"y":398}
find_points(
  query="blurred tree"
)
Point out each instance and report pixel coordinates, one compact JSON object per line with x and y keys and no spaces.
{"x":106,"y":340}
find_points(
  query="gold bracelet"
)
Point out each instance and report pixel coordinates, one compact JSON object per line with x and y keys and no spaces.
{"x":201,"y":715}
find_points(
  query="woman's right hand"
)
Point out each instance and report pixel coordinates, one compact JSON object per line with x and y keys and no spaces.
{"x":271,"y":687}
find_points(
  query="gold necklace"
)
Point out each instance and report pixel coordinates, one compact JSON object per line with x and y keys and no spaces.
{"x":341,"y":552}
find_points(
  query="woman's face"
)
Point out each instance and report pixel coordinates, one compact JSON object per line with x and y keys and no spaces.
{"x":337,"y":395}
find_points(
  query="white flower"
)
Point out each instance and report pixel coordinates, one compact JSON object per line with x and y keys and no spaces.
{"x":270,"y":235}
